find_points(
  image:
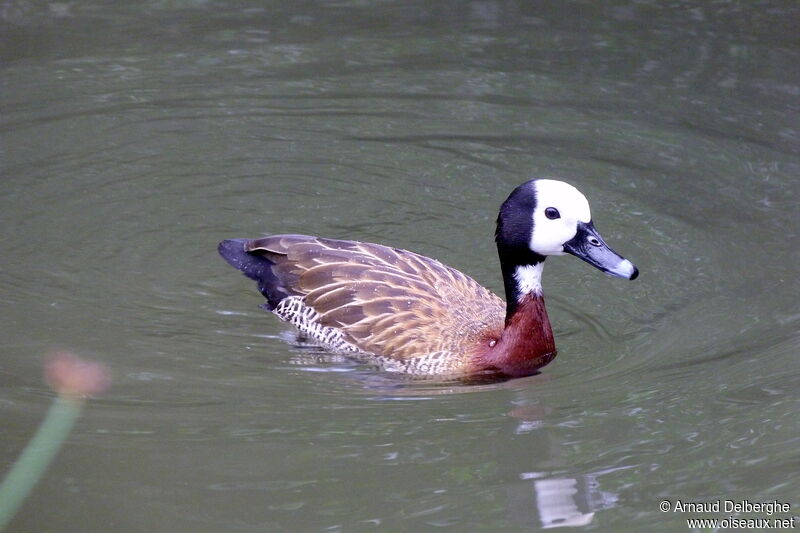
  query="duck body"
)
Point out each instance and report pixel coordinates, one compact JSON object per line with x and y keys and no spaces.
{"x":412,"y":314}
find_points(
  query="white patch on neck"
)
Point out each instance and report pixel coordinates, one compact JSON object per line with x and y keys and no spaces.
{"x":529,"y":279}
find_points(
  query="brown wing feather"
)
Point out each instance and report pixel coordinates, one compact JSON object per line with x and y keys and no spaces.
{"x":389,"y":302}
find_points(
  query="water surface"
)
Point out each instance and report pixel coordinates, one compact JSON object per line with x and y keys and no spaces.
{"x":136,"y":136}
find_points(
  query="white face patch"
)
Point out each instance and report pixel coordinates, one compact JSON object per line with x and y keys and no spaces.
{"x":549,"y":235}
{"x":529,"y":279}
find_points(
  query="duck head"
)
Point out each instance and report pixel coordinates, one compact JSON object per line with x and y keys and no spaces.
{"x":545,"y":217}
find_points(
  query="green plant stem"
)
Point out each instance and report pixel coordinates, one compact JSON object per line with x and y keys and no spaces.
{"x":37,"y":456}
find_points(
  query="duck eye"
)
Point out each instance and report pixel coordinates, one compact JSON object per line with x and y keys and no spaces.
{"x":552,"y":213}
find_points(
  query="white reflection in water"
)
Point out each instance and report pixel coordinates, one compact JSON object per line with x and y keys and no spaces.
{"x":557,"y":502}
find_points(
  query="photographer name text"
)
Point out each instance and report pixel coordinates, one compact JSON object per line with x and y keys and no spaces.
{"x":734,"y":507}
{"x":729,"y":506}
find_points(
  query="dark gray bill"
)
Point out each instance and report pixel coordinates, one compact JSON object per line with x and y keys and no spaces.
{"x":590,"y":246}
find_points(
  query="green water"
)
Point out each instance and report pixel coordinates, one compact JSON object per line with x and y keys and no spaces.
{"x":135,"y":136}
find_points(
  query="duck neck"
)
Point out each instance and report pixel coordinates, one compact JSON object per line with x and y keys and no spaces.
{"x":521,"y":278}
{"x":527,"y":341}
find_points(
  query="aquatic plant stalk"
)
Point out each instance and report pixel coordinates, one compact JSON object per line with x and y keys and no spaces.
{"x":74,"y":379}
{"x":38,"y":455}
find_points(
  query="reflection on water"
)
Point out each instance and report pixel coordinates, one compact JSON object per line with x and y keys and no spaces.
{"x":561,"y":502}
{"x":532,"y":498}
{"x":135,"y":136}
{"x":548,"y":502}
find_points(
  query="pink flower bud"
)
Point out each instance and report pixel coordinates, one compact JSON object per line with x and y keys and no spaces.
{"x":70,"y":375}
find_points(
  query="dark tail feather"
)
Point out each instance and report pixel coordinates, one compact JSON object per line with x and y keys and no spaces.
{"x":256,"y":267}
